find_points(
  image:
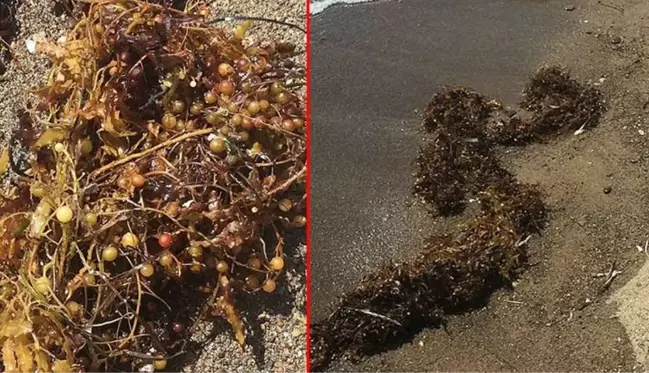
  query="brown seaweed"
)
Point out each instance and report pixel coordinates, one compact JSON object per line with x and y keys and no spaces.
{"x":165,"y":163}
{"x":457,"y":273}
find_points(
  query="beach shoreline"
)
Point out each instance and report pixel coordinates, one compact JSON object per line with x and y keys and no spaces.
{"x":319,"y":6}
{"x":375,"y":67}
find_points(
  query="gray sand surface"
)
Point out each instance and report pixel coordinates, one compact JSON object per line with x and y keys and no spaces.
{"x":374,"y":64}
{"x":276,"y":323}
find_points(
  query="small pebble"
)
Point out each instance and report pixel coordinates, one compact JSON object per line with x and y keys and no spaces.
{"x":31,"y":46}
{"x":569,"y":8}
{"x":607,"y":190}
{"x":616,"y":40}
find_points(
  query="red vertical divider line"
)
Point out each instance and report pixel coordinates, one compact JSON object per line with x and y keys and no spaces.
{"x":308,"y":186}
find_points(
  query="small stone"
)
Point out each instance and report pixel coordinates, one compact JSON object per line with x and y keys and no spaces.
{"x":31,"y":46}
{"x":297,"y":332}
{"x":616,"y":40}
{"x":607,"y":190}
{"x":569,"y":8}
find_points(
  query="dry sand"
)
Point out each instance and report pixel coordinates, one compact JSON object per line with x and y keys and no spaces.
{"x":633,"y":313}
{"x":277,"y":323}
{"x":625,"y":31}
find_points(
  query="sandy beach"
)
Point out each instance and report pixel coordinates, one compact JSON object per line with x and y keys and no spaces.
{"x":376,"y":64}
{"x":367,"y":91}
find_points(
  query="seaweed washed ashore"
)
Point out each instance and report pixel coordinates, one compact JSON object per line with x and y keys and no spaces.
{"x":152,"y":182}
{"x":457,"y":273}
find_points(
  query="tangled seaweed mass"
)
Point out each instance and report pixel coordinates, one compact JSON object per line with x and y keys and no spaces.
{"x":7,"y":31}
{"x":454,"y":274}
{"x":160,"y":168}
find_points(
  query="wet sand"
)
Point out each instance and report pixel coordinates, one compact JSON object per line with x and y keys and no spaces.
{"x":373,"y":65}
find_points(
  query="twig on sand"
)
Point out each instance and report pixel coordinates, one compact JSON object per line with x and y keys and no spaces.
{"x":523,"y":242}
{"x":619,"y":9}
{"x":247,"y":18}
{"x":368,"y":312}
{"x":612,"y":274}
{"x":580,"y":130}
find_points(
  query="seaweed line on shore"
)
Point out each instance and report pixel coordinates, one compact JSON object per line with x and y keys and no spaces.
{"x":457,"y":273}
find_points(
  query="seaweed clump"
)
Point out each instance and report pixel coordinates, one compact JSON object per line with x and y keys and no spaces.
{"x":466,"y":128}
{"x":166,"y":162}
{"x":451,"y":275}
{"x":8,"y":30}
{"x":559,"y":103}
{"x":455,"y":273}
